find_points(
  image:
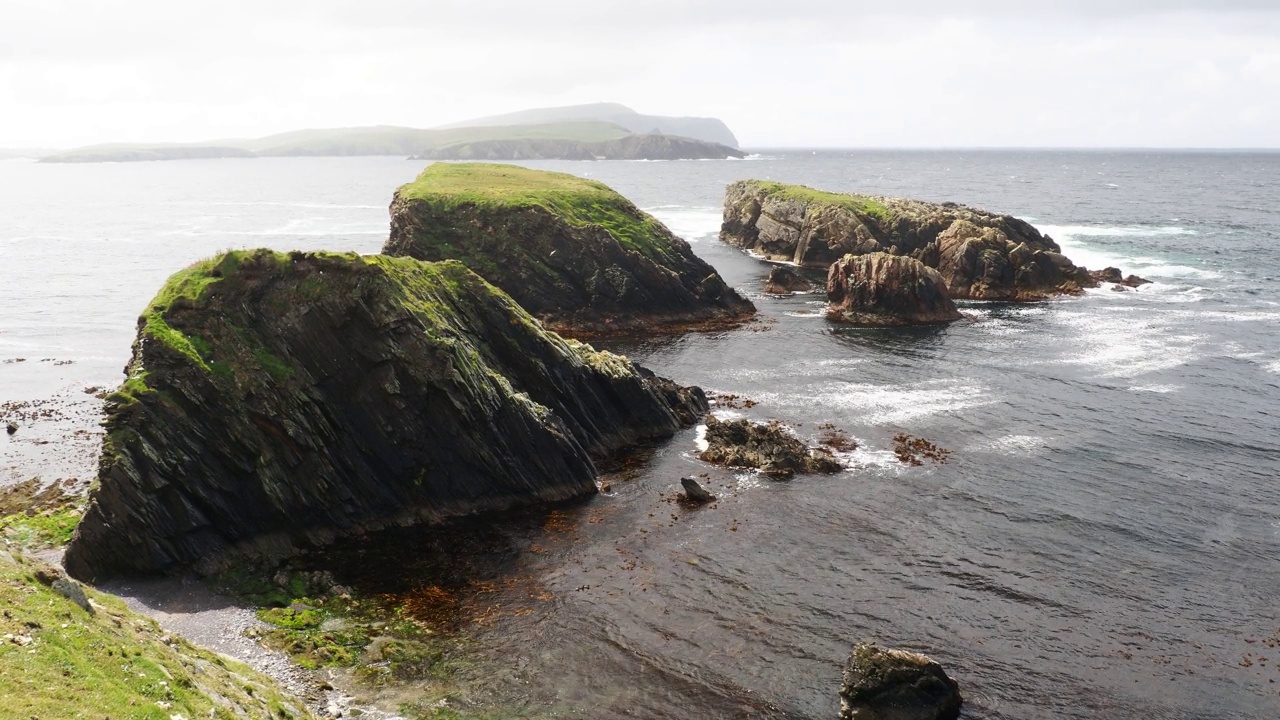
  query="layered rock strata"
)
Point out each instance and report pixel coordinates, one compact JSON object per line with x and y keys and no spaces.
{"x":980,"y":255}
{"x":274,"y":401}
{"x":572,"y":252}
{"x":882,"y":290}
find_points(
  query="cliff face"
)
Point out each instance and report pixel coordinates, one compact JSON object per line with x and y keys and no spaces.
{"x":274,"y":401}
{"x":631,"y":147}
{"x":571,"y":251}
{"x":980,"y":255}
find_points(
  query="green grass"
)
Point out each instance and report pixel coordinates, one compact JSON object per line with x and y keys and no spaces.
{"x":51,"y":528}
{"x":577,"y":200}
{"x":801,"y":193}
{"x":65,"y":663}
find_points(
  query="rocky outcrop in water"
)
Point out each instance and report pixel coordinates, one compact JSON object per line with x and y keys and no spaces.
{"x":571,"y":251}
{"x":884,"y":684}
{"x":275,"y":401}
{"x":881,"y":290}
{"x":769,"y":447}
{"x":783,"y":280}
{"x":1113,"y":275}
{"x":980,"y":255}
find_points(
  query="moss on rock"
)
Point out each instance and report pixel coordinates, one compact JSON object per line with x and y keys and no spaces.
{"x":277,"y":400}
{"x":570,"y":250}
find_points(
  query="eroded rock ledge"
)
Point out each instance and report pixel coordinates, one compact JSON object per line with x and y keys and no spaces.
{"x":979,"y":255}
{"x":274,"y":401}
{"x":571,"y":251}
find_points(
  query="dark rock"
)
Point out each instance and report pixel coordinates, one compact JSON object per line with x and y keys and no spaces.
{"x":695,"y":492}
{"x":769,"y":447}
{"x":71,"y":590}
{"x":887,"y":290}
{"x":275,"y":401}
{"x":980,"y":255}
{"x":1113,"y":275}
{"x":11,"y":428}
{"x":783,"y":280}
{"x":572,"y":252}
{"x":884,"y":684}
{"x":1108,"y":274}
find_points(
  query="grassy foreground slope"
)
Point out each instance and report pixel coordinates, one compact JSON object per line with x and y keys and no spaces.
{"x":58,"y":660}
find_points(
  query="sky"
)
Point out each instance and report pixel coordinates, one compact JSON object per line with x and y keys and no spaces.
{"x":791,"y":73}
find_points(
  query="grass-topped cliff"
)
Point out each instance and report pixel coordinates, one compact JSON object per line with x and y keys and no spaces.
{"x":59,"y":660}
{"x":276,"y":400}
{"x":572,"y":251}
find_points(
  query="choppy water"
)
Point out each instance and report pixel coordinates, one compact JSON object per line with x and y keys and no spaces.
{"x":1102,"y":543}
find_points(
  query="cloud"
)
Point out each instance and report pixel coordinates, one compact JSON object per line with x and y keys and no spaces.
{"x":805,"y":72}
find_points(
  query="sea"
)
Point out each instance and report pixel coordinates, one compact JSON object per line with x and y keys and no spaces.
{"x":1101,"y":541}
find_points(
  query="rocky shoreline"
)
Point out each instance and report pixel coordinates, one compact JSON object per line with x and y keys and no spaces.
{"x":277,"y":404}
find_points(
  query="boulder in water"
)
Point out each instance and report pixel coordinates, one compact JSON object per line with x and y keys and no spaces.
{"x":769,"y":447}
{"x":884,"y":684}
{"x":783,"y":281}
{"x":881,"y":290}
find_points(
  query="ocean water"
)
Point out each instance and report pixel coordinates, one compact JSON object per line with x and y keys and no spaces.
{"x":1101,"y":543}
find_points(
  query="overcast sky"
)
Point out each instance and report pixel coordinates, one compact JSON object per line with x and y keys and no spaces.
{"x":827,"y":73}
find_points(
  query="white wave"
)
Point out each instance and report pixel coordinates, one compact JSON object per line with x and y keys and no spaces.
{"x":690,"y":223}
{"x":1273,"y":367}
{"x":700,"y":439}
{"x":1160,"y":389}
{"x":1120,"y":345}
{"x":891,"y":405}
{"x":1073,"y":231}
{"x":813,"y":314}
{"x":1011,"y":445}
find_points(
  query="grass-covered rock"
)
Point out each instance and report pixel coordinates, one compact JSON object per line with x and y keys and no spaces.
{"x":980,"y":255}
{"x":274,"y":401}
{"x":59,"y":660}
{"x":571,"y":251}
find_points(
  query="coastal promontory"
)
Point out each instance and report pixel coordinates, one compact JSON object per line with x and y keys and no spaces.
{"x":979,"y":255}
{"x":571,"y":251}
{"x":275,"y":401}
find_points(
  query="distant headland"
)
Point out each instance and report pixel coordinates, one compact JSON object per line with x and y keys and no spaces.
{"x":601,"y":131}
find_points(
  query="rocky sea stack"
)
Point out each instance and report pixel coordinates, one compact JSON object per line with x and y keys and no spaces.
{"x":980,"y":255}
{"x":274,"y":401}
{"x":882,"y":290}
{"x":571,"y":251}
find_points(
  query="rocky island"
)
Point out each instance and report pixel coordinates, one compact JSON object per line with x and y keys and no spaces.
{"x":883,"y":290}
{"x":275,"y":401}
{"x":979,"y":255}
{"x":571,"y":251}
{"x":651,"y":146}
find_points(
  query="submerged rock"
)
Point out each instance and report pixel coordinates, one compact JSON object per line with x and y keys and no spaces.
{"x":883,"y":684}
{"x":980,"y":255}
{"x":274,"y":401}
{"x":1113,"y":275}
{"x":769,"y":447}
{"x":783,"y":280}
{"x":886,"y":290}
{"x":571,"y":251}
